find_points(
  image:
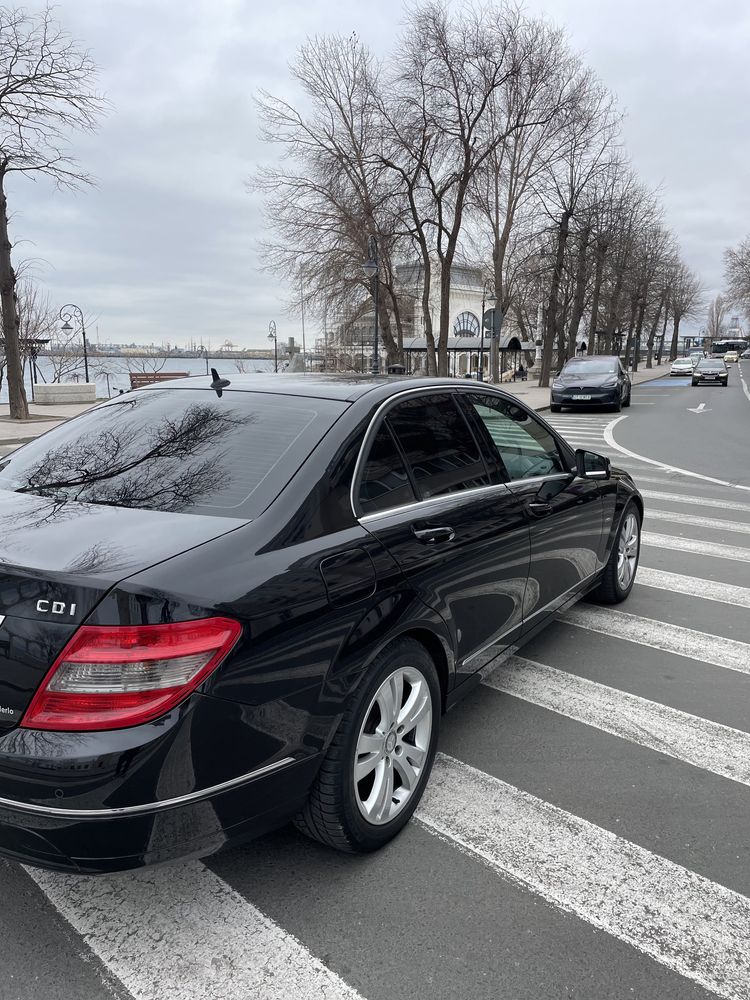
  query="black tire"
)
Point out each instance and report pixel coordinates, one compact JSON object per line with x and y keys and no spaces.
{"x":555,"y":408}
{"x":694,"y":383}
{"x":626,"y":401}
{"x":332,"y":813}
{"x":611,"y":589}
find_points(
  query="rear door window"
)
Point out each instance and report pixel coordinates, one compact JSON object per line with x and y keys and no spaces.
{"x":439,"y":447}
{"x":385,"y":482}
{"x":184,"y":450}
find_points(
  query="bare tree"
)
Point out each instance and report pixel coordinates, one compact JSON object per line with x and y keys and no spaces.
{"x":717,"y":314}
{"x":46,"y":92}
{"x":330,"y":192}
{"x":585,"y":153}
{"x":686,"y":296}
{"x":737,"y":276}
{"x":451,"y":68}
{"x":534,"y":98}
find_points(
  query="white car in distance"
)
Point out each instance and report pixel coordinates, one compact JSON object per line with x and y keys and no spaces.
{"x":682,"y":366}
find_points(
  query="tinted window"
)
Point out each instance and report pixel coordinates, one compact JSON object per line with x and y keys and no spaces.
{"x":592,"y":366}
{"x":438,"y":445}
{"x":385,"y":482}
{"x":181,"y":450}
{"x":526,"y":447}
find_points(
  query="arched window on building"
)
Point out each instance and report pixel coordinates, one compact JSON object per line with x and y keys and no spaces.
{"x":466,"y":325}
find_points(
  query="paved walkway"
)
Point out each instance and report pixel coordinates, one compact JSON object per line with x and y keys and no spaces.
{"x":14,"y":433}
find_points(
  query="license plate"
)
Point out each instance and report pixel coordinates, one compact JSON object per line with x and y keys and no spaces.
{"x":581,"y":397}
{"x":709,"y":376}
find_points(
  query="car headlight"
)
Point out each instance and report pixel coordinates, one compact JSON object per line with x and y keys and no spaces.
{"x":610,"y":384}
{"x":557,"y":384}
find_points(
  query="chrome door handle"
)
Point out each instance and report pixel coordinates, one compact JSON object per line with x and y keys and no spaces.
{"x":538,"y":508}
{"x":431,"y":535}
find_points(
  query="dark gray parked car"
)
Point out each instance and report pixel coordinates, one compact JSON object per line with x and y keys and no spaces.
{"x":595,"y":381}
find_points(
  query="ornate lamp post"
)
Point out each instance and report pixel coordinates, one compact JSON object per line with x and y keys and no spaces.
{"x":66,"y":314}
{"x":370,"y":267}
{"x":272,"y":336}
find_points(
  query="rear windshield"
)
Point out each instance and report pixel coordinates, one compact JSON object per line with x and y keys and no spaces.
{"x":599,"y":366}
{"x":183,"y":450}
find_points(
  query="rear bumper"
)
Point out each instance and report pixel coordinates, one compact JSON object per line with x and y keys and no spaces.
{"x":210,"y":772}
{"x":100,"y":841}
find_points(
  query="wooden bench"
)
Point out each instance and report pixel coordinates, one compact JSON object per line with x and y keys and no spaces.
{"x":139,"y":379}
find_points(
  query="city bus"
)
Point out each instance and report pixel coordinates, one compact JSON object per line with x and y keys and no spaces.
{"x":720,"y":347}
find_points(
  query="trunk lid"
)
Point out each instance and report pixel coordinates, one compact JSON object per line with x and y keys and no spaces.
{"x":57,"y":561}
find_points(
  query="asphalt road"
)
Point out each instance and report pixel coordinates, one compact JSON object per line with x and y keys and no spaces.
{"x":585,"y":834}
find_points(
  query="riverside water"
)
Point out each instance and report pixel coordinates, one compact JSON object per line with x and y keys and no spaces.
{"x":118,"y":367}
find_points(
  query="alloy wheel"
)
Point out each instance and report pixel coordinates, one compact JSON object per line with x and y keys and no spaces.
{"x":393,"y":745}
{"x":627,"y":551}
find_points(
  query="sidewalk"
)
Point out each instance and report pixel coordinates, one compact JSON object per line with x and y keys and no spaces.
{"x":14,"y":433}
{"x":43,"y":418}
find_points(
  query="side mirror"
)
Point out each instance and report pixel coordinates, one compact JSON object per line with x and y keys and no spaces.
{"x":589,"y":465}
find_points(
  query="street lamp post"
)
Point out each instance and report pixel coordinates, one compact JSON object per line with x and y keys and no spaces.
{"x":370,"y":267}
{"x":66,"y":314}
{"x":272,"y":336}
{"x":488,"y":293}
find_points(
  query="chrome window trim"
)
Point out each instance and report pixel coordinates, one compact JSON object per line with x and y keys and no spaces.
{"x":425,"y":390}
{"x":460,"y":494}
{"x":148,"y":807}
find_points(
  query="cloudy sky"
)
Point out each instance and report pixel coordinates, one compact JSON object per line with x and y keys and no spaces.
{"x":165,"y":248}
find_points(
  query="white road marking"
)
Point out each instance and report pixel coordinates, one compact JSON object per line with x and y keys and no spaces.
{"x":716,"y":524}
{"x":693,"y":586}
{"x":708,"y":745}
{"x":700,"y":408}
{"x":698,"y":501}
{"x":673,"y":481}
{"x":179,"y":932}
{"x":684,"y":921}
{"x":695,"y":546}
{"x":609,"y":438}
{"x":731,"y":654}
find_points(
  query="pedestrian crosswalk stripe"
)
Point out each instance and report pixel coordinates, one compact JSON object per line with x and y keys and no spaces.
{"x":697,"y":521}
{"x":698,"y":501}
{"x":678,"y":481}
{"x":706,"y":590}
{"x":695,"y":546}
{"x":714,"y":649}
{"x":181,"y":932}
{"x":708,"y":745}
{"x":694,"y":926}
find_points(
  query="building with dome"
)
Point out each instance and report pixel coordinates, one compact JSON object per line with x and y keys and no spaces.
{"x":465,"y":341}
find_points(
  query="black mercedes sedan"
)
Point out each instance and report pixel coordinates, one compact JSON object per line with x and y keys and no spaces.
{"x":599,"y":380}
{"x":227,"y":605}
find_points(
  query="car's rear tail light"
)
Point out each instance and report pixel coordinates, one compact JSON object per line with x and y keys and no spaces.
{"x":110,"y":678}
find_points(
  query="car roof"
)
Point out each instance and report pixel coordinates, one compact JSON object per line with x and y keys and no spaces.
{"x":594,"y":357}
{"x":347,"y":388}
